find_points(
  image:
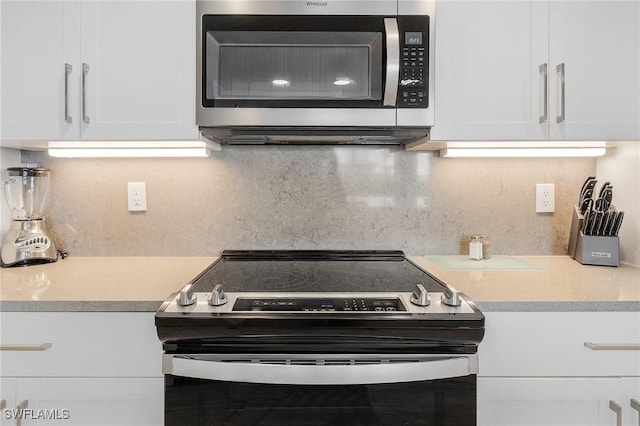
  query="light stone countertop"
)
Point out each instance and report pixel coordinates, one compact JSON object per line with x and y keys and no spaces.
{"x":558,"y":283}
{"x":138,"y":284}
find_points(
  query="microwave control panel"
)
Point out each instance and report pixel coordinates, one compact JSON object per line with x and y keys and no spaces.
{"x":414,"y":62}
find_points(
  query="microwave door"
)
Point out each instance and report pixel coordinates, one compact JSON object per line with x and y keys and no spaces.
{"x":255,"y":75}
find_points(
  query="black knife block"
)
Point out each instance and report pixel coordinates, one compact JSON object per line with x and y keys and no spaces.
{"x":592,"y":249}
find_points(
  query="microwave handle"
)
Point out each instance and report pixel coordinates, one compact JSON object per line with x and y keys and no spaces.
{"x":265,"y":373}
{"x":393,"y":61}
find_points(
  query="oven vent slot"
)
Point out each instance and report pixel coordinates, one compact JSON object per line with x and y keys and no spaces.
{"x":339,"y":361}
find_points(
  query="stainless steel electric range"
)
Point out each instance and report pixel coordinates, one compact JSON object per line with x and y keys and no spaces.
{"x":319,"y":338}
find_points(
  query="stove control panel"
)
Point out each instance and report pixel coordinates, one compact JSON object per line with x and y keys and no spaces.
{"x":319,"y":304}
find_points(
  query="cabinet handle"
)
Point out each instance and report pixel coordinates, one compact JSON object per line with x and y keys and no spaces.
{"x":67,"y":72}
{"x":29,"y":348}
{"x":636,"y":406}
{"x":20,"y":407}
{"x":560,"y":71}
{"x":616,"y":408}
{"x":613,"y":346}
{"x":85,"y":71}
{"x":544,"y":79}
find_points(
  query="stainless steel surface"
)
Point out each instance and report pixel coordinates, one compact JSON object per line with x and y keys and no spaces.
{"x":561,"y":93}
{"x":451,"y":296}
{"x":20,"y":408}
{"x":420,"y":297}
{"x":217,"y":297}
{"x":67,"y":72}
{"x":315,"y":135}
{"x":616,"y":408}
{"x":186,"y":296}
{"x":437,"y":306}
{"x":314,"y":369}
{"x":27,"y":348}
{"x":636,"y":406}
{"x":544,"y":79}
{"x":27,"y":240}
{"x":613,"y":346}
{"x":85,"y":71}
{"x":393,"y":61}
{"x":337,"y":117}
{"x":299,"y":7}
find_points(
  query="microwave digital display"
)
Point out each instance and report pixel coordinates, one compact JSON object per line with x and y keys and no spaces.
{"x":413,"y":38}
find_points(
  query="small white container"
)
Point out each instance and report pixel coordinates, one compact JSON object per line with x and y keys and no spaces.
{"x":479,"y":247}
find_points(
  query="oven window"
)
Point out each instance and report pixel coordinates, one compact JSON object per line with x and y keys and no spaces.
{"x":444,"y":402}
{"x":293,"y":65}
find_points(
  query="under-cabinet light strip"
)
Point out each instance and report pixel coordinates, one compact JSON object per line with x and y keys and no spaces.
{"x":127,"y":152}
{"x":521,"y":152}
{"x":138,"y":149}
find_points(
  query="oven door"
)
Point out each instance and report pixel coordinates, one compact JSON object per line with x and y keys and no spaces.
{"x":320,"y":390}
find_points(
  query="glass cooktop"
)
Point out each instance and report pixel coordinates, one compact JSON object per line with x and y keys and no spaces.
{"x":314,"y":271}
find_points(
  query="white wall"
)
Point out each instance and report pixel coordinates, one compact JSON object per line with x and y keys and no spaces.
{"x":8,"y":158}
{"x":621,"y":166}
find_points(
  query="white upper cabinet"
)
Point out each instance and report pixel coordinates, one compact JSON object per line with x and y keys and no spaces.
{"x":487,"y":57}
{"x":37,"y":41}
{"x":497,"y":74}
{"x":599,"y":44}
{"x":98,"y":70}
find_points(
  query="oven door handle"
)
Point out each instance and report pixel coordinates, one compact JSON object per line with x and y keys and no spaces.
{"x":393,"y":61}
{"x":319,"y":374}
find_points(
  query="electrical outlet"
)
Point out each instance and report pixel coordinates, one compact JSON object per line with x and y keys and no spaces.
{"x":137,"y":196}
{"x":545,"y":198}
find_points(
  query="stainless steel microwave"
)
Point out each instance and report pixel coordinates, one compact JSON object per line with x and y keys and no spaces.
{"x":334,"y":70}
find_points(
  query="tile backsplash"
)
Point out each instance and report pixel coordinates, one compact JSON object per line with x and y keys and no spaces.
{"x":311,"y":198}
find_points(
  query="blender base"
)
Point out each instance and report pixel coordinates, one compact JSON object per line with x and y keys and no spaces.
{"x":27,"y":243}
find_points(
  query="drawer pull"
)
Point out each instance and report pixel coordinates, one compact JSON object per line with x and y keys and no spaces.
{"x":616,"y":408}
{"x":30,"y":348}
{"x":21,"y":407}
{"x":613,"y":346}
{"x":636,"y":406}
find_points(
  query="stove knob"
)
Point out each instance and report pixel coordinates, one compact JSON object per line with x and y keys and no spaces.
{"x":186,"y":296}
{"x":451,"y":296}
{"x":217,"y":297}
{"x":420,"y":296}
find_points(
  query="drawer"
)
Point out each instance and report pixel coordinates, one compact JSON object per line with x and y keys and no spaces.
{"x":79,"y":344}
{"x":521,"y":344}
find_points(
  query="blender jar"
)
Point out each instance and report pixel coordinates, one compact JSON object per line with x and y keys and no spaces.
{"x":26,"y":190}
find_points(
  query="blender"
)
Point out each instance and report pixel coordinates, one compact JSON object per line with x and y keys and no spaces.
{"x":27,"y":242}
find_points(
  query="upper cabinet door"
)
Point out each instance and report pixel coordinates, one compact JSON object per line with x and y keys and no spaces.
{"x":138,"y":60}
{"x":40,"y":50}
{"x":598,"y":45}
{"x":488,"y":58}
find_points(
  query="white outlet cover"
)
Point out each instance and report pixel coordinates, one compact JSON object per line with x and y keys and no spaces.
{"x":545,"y":198}
{"x":136,"y":196}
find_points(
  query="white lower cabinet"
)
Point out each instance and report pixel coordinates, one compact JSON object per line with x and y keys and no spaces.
{"x":84,"y":401}
{"x":566,"y":401}
{"x":560,"y":369}
{"x":80,"y":368}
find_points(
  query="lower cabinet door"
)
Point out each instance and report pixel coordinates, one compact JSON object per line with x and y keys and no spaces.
{"x":7,"y":400}
{"x":90,"y":401}
{"x":552,"y":401}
